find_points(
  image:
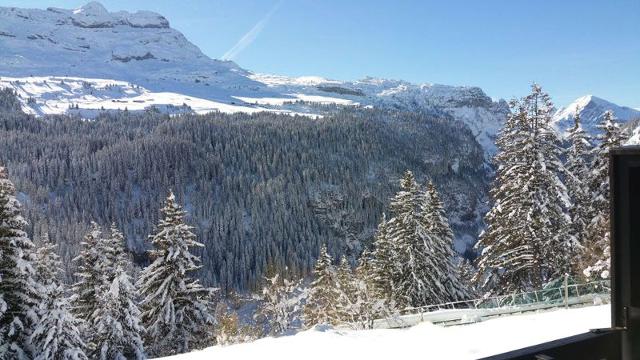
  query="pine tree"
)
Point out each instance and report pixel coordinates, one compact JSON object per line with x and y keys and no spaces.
{"x":89,"y":274}
{"x":383,"y":265}
{"x":320,"y":307}
{"x":526,"y":241}
{"x":280,"y":303}
{"x":347,"y":296}
{"x":414,"y":284}
{"x":467,"y":272}
{"x":577,"y":180}
{"x":446,"y":274}
{"x":56,"y":335}
{"x":369,"y":305}
{"x":116,"y":322}
{"x":597,"y":254}
{"x":176,"y":309}
{"x":18,"y":288}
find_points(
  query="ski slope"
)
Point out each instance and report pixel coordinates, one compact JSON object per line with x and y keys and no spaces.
{"x":423,"y":341}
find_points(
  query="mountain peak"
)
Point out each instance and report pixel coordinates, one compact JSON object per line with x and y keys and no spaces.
{"x":93,"y":8}
{"x":591,"y":109}
{"x":582,"y":101}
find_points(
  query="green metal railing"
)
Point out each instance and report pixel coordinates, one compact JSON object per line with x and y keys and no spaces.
{"x":549,"y":295}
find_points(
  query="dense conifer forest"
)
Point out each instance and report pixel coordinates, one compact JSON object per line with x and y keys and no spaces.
{"x":261,"y":190}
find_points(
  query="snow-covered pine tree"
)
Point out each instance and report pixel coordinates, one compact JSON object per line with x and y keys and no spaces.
{"x":89,"y":274}
{"x":320,"y":307}
{"x":467,"y":272}
{"x":116,"y":327}
{"x":445,"y":273}
{"x":279,"y":303}
{"x":414,"y":285}
{"x":383,"y":263}
{"x":176,"y":308}
{"x":56,"y":335}
{"x":368,"y":305}
{"x":577,"y":180}
{"x":526,"y":242}
{"x":347,"y":297}
{"x":18,"y":287}
{"x":597,"y":256}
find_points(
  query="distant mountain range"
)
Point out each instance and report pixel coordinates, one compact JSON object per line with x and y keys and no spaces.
{"x":89,"y":60}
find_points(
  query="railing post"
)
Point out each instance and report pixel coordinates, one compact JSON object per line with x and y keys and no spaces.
{"x":566,"y":291}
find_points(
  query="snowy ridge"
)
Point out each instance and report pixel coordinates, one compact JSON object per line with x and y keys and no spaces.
{"x":592,"y":109}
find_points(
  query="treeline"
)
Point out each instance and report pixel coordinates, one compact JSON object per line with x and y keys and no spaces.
{"x":115,"y":311}
{"x":550,"y":214}
{"x":261,"y":189}
{"x":411,"y":263}
{"x":9,"y":101}
{"x":106,"y":314}
{"x":549,"y":219}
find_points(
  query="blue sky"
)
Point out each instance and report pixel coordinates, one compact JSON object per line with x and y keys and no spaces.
{"x":570,"y":47}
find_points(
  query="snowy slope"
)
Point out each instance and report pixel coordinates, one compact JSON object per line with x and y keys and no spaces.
{"x":142,"y":49}
{"x":633,"y":128}
{"x":591,"y":109}
{"x":423,"y":341}
{"x":86,"y":97}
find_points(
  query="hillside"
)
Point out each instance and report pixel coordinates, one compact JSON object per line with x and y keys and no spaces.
{"x":260,"y":189}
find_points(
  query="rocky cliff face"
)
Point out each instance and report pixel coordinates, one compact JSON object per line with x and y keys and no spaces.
{"x":140,"y":48}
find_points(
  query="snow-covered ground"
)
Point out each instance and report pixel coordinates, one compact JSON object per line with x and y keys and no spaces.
{"x":424,"y":341}
{"x":53,"y":95}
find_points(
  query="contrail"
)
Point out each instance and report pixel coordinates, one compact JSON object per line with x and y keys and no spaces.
{"x":250,"y":36}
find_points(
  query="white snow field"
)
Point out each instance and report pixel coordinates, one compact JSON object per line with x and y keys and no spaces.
{"x":53,"y":95}
{"x":423,"y":341}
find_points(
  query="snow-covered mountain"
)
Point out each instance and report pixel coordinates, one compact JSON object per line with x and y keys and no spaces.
{"x":591,"y":110}
{"x":91,"y":42}
{"x":56,"y":58}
